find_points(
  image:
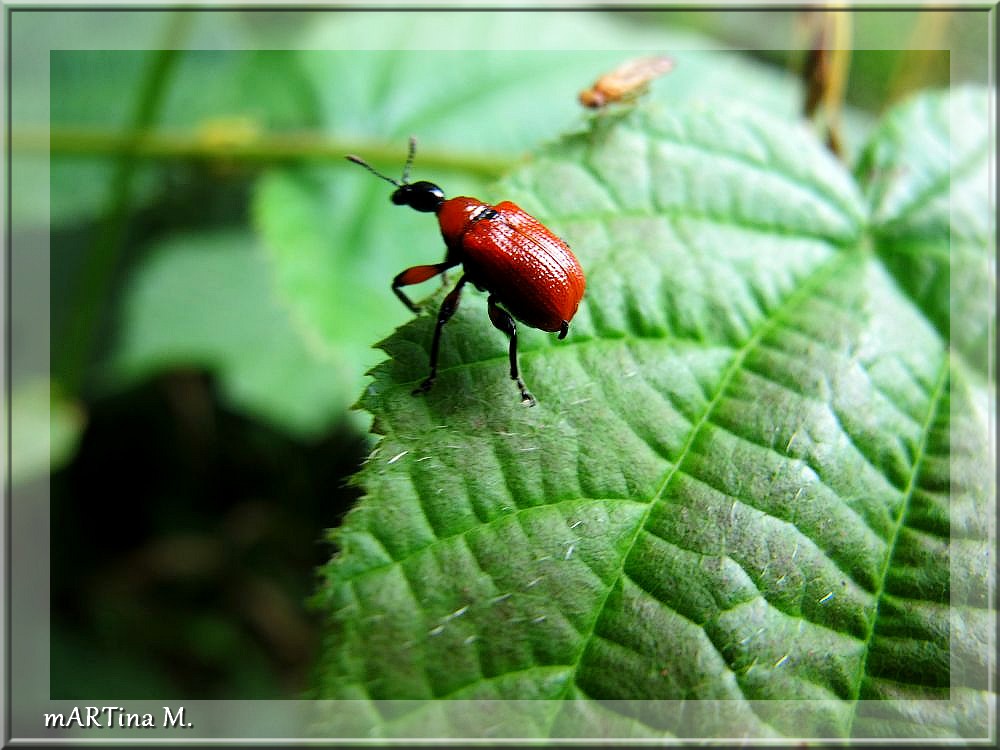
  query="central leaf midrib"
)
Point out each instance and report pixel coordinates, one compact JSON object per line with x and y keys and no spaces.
{"x":815,"y":280}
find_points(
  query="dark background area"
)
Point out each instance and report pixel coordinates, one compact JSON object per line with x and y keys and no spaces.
{"x":185,"y":547}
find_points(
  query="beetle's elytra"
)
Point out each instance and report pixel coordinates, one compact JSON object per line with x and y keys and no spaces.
{"x":529,"y":272}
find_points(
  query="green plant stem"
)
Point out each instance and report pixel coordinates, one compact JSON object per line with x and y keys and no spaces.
{"x":94,"y":283}
{"x":268,"y":148}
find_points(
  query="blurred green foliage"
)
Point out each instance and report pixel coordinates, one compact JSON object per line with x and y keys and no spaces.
{"x":231,"y":274}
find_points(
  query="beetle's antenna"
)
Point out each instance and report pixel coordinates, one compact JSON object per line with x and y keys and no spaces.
{"x":370,"y":168}
{"x":409,"y":160}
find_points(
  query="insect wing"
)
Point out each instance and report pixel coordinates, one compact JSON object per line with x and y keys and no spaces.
{"x":642,"y":70}
{"x":627,"y":80}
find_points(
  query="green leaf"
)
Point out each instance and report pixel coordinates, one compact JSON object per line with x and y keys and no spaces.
{"x":933,"y":225}
{"x":927,"y":175}
{"x":207,"y":301}
{"x":45,"y":426}
{"x":328,"y":284}
{"x":92,"y":89}
{"x":504,"y":92}
{"x":735,"y":486}
{"x":211,"y":93}
{"x":928,"y":667}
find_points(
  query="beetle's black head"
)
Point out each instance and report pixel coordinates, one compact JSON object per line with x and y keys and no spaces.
{"x":420,"y":196}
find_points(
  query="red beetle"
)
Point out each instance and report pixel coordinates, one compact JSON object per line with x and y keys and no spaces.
{"x":529,"y":272}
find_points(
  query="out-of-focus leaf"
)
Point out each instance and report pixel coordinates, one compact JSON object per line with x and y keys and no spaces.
{"x":92,"y":89}
{"x":206,"y":301}
{"x":415,"y":73}
{"x":46,"y":428}
{"x":927,"y":174}
{"x":211,"y":93}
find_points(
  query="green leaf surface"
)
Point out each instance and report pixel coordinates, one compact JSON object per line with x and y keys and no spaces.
{"x":206,"y":301}
{"x":735,"y":487}
{"x":926,"y":173}
{"x":931,"y":646}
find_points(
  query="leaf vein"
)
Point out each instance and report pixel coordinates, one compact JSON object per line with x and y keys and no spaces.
{"x":770,"y":169}
{"x":496,"y":520}
{"x":932,"y":410}
{"x":938,"y":187}
{"x":674,"y":215}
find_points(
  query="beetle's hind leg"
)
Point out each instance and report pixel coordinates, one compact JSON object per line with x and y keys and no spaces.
{"x":502,"y":320}
{"x":448,"y":308}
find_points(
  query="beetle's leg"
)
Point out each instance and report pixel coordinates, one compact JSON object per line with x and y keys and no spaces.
{"x":448,"y":308}
{"x":502,"y":320}
{"x":415,"y":275}
{"x":563,"y":329}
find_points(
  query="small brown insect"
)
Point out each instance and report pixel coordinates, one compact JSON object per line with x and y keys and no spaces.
{"x":626,"y":82}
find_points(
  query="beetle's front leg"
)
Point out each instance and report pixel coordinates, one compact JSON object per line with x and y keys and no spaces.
{"x":415,"y":275}
{"x":448,"y":308}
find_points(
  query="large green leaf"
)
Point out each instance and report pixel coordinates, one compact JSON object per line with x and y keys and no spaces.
{"x":735,"y":486}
